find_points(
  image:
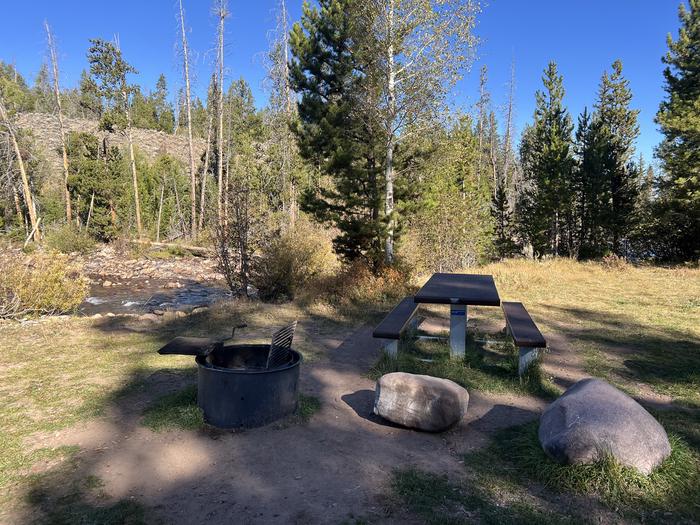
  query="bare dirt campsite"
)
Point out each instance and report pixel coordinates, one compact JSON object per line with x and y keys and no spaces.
{"x":98,"y":428}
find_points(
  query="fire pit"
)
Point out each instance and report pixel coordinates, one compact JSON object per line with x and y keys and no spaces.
{"x":243,"y":385}
{"x":235,"y":389}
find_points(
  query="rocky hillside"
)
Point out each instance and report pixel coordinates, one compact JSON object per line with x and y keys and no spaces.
{"x":151,"y":143}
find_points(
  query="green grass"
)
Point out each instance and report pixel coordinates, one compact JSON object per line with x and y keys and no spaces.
{"x":667,"y":494}
{"x":490,"y":367}
{"x":441,"y":502}
{"x":175,"y":411}
{"x":78,"y":500}
{"x":308,"y":406}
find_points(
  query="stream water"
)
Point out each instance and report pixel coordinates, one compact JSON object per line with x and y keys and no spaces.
{"x":140,"y":297}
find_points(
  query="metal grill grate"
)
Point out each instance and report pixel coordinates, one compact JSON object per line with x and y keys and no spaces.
{"x":279,"y":348}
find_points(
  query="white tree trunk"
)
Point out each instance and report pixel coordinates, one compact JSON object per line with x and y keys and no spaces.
{"x":134,"y":177}
{"x":26,"y":188}
{"x":188,"y":109}
{"x":61,"y":126}
{"x":220,"y":115}
{"x":202,"y":189}
{"x":389,"y":168}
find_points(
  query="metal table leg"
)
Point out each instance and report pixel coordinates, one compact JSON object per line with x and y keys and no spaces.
{"x":458,"y":329}
{"x":527,"y":356}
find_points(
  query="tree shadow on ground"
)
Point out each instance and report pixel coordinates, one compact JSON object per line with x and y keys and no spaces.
{"x":300,"y":473}
{"x":667,"y":359}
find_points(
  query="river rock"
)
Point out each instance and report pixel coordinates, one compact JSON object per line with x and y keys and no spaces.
{"x":421,"y":402}
{"x":592,"y":419}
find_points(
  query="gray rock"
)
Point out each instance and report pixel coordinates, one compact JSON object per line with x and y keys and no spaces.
{"x":592,"y":419}
{"x":421,"y":402}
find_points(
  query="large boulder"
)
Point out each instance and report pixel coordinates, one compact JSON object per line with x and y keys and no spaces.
{"x":592,"y":419}
{"x":421,"y":402}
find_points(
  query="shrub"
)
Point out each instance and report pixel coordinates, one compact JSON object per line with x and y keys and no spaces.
{"x":359,"y":289}
{"x":614,"y":262}
{"x":67,"y":239}
{"x":43,"y":283}
{"x":293,"y":261}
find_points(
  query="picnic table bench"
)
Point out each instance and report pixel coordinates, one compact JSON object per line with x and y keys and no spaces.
{"x":526,"y":336}
{"x":395,"y":323}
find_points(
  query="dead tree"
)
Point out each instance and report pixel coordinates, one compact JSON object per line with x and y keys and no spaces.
{"x":188,"y":110}
{"x":26,"y":187}
{"x":59,"y":114}
{"x":221,"y":13}
{"x":205,"y":171}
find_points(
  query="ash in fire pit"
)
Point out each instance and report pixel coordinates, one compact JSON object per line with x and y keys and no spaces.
{"x":243,"y":385}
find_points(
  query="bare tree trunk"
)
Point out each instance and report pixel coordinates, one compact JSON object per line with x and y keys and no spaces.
{"x":160,"y":211}
{"x":220,"y":112}
{"x":61,"y":126}
{"x":202,"y":190}
{"x":509,"y":125}
{"x":179,"y":209}
{"x":389,"y":168}
{"x":480,"y":127}
{"x":188,"y":108}
{"x":287,"y":147}
{"x":132,"y":164}
{"x":26,"y":188}
{"x":21,"y":220}
{"x":92,"y":205}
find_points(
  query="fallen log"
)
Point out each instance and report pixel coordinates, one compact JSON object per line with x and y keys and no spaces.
{"x":199,"y":251}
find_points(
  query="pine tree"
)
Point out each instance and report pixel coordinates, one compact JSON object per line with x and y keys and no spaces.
{"x":589,"y":188}
{"x":678,"y":210}
{"x":164,"y":113}
{"x":109,"y":71}
{"x":332,"y":134}
{"x":89,"y":99}
{"x":546,"y":220}
{"x":43,"y":96}
{"x":617,"y":130}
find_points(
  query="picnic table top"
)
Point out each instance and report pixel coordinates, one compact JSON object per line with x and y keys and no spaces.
{"x":459,"y":288}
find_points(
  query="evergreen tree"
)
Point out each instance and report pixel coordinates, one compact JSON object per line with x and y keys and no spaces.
{"x":617,"y":130}
{"x":589,"y":188}
{"x":165,"y":115}
{"x":546,"y":220}
{"x":678,"y":208}
{"x":43,"y":95}
{"x":332,"y":133}
{"x":14,"y":90}
{"x":502,"y":213}
{"x":89,"y":99}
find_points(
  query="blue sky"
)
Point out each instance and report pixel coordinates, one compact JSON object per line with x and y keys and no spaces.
{"x":583,"y":36}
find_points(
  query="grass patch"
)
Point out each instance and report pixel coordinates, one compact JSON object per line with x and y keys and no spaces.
{"x":61,"y":498}
{"x":307,"y":407}
{"x":178,"y":411}
{"x":438,"y":501}
{"x":490,"y":367}
{"x":667,"y":494}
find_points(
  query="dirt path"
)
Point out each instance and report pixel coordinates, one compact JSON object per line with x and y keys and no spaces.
{"x":334,"y":468}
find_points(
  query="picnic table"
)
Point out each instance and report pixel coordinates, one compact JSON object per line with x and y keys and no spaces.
{"x":459,"y":291}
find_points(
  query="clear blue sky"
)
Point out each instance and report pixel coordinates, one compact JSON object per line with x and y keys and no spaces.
{"x":583,"y":36}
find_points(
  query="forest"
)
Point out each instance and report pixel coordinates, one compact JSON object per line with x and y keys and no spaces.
{"x":359,"y":139}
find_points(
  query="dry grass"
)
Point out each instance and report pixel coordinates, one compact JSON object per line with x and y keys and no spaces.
{"x":634,"y":326}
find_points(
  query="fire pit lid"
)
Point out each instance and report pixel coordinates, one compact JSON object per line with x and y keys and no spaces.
{"x":191,"y":346}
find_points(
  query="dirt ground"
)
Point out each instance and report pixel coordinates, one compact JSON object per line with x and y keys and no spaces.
{"x":333,"y":469}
